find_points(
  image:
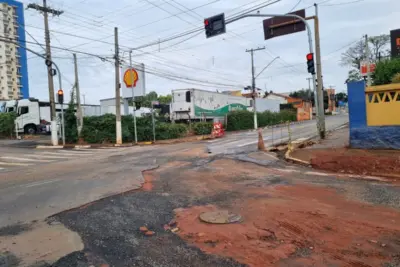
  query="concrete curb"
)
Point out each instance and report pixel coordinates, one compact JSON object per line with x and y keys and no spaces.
{"x":302,"y":162}
{"x":375,"y":176}
{"x":83,"y":146}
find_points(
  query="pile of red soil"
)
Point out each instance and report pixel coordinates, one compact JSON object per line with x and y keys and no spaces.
{"x":355,"y":161}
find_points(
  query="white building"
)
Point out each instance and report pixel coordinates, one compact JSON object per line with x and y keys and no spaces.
{"x":107,"y":106}
{"x":13,"y":61}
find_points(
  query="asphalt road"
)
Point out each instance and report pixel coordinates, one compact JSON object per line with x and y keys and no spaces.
{"x":35,"y":184}
{"x":247,"y":141}
{"x":110,"y":227}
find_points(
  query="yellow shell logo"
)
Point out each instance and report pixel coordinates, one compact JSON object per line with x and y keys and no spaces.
{"x":128,"y":75}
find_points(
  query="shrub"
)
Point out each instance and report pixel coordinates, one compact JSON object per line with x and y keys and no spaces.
{"x":385,"y":71}
{"x":166,"y":131}
{"x":102,"y":129}
{"x":243,"y":120}
{"x":71,"y":127}
{"x":240,"y":120}
{"x":396,"y":78}
{"x":7,"y":125}
{"x":203,"y":128}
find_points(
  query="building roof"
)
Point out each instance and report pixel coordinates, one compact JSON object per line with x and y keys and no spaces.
{"x":280,"y":95}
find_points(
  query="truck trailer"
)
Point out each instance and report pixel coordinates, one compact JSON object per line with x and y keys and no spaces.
{"x":196,"y":104}
{"x":203,"y":105}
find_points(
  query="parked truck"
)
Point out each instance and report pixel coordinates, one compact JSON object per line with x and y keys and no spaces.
{"x":196,"y":104}
{"x":33,"y":116}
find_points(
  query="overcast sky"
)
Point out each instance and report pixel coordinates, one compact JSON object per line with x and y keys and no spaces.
{"x":220,"y":62}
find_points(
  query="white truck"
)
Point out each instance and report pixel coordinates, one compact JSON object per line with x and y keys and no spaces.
{"x":34,"y":116}
{"x":196,"y":104}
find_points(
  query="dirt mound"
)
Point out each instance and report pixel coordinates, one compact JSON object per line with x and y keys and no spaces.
{"x":382,"y":163}
{"x":291,"y":229}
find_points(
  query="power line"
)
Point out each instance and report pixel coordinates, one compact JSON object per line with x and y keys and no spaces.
{"x":103,"y":58}
{"x":197,"y":29}
{"x":345,"y":3}
{"x":296,"y":5}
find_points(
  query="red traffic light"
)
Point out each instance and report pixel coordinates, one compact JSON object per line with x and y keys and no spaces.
{"x":310,"y":56}
{"x":206,"y":22}
{"x":60,"y":92}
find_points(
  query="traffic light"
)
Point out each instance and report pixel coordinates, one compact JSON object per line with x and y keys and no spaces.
{"x":215,"y":25}
{"x":310,"y":63}
{"x":60,"y":96}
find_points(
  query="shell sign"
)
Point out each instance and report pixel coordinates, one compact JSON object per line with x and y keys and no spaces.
{"x":128,"y":76}
{"x":133,"y":81}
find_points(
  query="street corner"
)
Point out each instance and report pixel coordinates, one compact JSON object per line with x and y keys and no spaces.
{"x":334,"y":155}
{"x":19,"y":243}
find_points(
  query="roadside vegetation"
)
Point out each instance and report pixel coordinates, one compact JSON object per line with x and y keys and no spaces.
{"x":7,"y":124}
{"x":244,"y":120}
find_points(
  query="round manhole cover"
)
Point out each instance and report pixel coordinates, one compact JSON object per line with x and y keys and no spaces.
{"x":220,"y":217}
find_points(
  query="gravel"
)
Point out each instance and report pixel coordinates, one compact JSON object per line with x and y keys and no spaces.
{"x":110,"y":231}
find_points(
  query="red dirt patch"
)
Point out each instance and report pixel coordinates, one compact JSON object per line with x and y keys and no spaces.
{"x":355,"y":161}
{"x":290,"y":227}
{"x":148,"y":181}
{"x":296,"y":225}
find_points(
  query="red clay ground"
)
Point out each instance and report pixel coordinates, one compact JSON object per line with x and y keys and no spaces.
{"x":333,"y":155}
{"x":287,"y":221}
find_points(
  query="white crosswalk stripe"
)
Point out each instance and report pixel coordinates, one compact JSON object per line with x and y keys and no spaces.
{"x":2,"y":163}
{"x":69,"y":153}
{"x":43,"y":156}
{"x":24,"y":159}
{"x":33,"y":157}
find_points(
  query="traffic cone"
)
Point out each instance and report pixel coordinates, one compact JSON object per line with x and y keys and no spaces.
{"x":261,"y":145}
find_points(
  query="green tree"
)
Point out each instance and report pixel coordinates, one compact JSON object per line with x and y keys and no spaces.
{"x":378,"y":45}
{"x":304,"y":94}
{"x":71,"y":127}
{"x":341,"y":97}
{"x":385,"y":71}
{"x":152,"y":96}
{"x":165,"y":99}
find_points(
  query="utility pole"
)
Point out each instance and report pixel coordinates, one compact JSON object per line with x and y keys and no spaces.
{"x":45,"y":10}
{"x":253,"y":84}
{"x":320,"y":92}
{"x":78,"y":97}
{"x":117,"y":91}
{"x":368,"y":61}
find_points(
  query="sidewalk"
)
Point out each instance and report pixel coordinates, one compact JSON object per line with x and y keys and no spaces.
{"x":333,"y":154}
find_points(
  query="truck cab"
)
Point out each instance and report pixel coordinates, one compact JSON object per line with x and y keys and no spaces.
{"x":10,"y":106}
{"x":28,"y":116}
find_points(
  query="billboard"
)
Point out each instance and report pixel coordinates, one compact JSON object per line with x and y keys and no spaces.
{"x":133,"y":81}
{"x":278,"y":26}
{"x":395,"y":42}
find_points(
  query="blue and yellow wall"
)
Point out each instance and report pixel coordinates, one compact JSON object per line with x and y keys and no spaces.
{"x":374,"y":114}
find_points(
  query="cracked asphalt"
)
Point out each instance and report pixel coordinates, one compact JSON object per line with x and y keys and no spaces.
{"x":110,"y":227}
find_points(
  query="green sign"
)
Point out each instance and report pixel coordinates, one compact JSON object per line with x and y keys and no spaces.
{"x":220,"y":112}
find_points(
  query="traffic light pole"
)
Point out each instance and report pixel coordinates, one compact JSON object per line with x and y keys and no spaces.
{"x":321,"y":119}
{"x":320,"y":92}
